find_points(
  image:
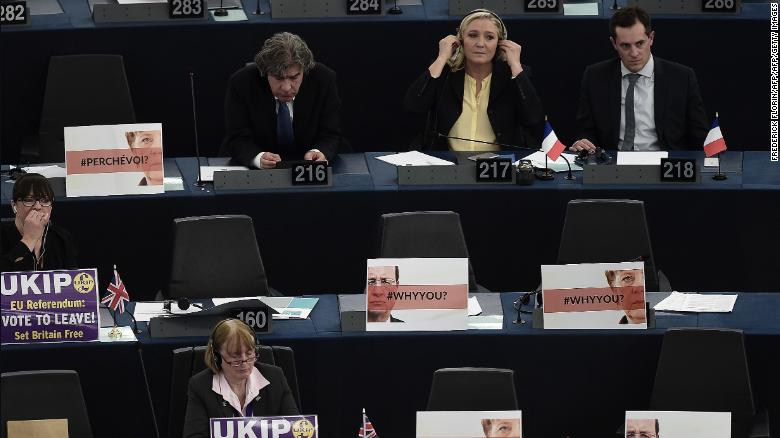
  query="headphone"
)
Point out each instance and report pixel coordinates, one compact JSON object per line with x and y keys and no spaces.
{"x":504,"y":34}
{"x":216,"y":357}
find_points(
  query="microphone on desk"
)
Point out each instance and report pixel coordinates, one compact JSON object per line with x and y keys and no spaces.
{"x":395,"y":10}
{"x":540,"y":173}
{"x":199,"y":182}
{"x":182,"y":303}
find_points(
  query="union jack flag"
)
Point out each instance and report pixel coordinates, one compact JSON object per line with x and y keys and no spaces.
{"x":117,"y":294}
{"x":367,"y":431}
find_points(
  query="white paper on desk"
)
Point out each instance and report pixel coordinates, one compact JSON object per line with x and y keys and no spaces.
{"x":144,"y":311}
{"x":47,"y":171}
{"x":635,"y":158}
{"x":232,"y":15}
{"x":207,"y":172}
{"x":711,"y":162}
{"x":485,"y":322}
{"x":414,"y":158}
{"x":581,"y":8}
{"x":559,"y":165}
{"x":474,"y":307}
{"x":682,"y":302}
{"x":173,"y":183}
{"x":287,"y":307}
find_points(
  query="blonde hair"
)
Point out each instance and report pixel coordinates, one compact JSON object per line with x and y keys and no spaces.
{"x":458,"y":60}
{"x":228,"y":332}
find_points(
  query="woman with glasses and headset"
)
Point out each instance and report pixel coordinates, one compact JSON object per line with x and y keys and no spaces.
{"x":31,"y":242}
{"x":234,"y":384}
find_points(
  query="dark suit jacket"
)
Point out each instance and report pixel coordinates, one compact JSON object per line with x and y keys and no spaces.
{"x":680,"y":118}
{"x":514,"y":108}
{"x":60,"y":250}
{"x":203,"y":403}
{"x":250,"y":116}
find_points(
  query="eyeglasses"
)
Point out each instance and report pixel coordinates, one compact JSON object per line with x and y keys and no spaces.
{"x":383,"y":282}
{"x":640,"y":435}
{"x":237,"y":363}
{"x":29,"y":201}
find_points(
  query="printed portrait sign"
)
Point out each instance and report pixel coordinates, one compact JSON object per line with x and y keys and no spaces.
{"x":49,"y":306}
{"x":107,"y":160}
{"x":470,"y":424}
{"x":595,"y":296}
{"x":678,"y":424}
{"x":293,"y":426}
{"x":416,"y":294}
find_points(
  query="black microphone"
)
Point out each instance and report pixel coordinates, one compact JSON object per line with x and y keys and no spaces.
{"x":615,"y":5}
{"x":199,"y":182}
{"x":221,"y":11}
{"x":395,"y":10}
{"x":183,"y":303}
{"x":258,"y":11}
{"x":510,"y":146}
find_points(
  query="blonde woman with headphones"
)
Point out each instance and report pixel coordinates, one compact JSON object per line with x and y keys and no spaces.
{"x":234,"y":384}
{"x":477,"y":89}
{"x":30,"y":242}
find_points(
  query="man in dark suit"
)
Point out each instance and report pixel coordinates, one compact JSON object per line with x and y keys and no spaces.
{"x":284,"y":106}
{"x":638,"y":102}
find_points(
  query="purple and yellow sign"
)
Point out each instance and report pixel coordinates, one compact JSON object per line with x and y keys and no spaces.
{"x":293,"y":426}
{"x":49,"y":306}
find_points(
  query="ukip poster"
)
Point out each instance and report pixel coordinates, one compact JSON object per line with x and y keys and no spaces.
{"x":105,"y":160}
{"x":49,"y":306}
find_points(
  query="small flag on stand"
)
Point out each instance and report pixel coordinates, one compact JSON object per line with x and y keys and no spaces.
{"x":714,"y":143}
{"x":367,"y":431}
{"x":551,"y":145}
{"x":117,"y":294}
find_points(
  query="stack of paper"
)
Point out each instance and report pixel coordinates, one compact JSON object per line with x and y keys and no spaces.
{"x":414,"y":158}
{"x":682,"y":302}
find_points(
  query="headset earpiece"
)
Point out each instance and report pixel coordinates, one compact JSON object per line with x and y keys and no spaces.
{"x":14,"y":208}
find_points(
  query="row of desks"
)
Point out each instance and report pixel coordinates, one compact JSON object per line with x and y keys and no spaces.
{"x":715,"y":235}
{"x":569,"y":383}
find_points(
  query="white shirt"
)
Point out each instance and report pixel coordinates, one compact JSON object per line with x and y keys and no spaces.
{"x":254,"y":384}
{"x":645,"y":138}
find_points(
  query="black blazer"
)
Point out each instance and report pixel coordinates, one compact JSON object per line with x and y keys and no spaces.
{"x":514,"y":109}
{"x":680,"y":118}
{"x":60,"y":250}
{"x":250,"y":116}
{"x":204,"y":404}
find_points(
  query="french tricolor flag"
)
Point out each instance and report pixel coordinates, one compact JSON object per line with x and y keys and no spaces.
{"x":551,"y":145}
{"x":714,"y":143}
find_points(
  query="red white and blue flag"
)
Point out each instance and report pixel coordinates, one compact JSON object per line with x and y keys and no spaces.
{"x":117,"y":294}
{"x":367,"y":431}
{"x":551,"y":145}
{"x":714,"y":143}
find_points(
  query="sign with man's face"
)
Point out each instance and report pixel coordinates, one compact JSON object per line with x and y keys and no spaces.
{"x":594,"y":295}
{"x":416,"y":294}
{"x":470,"y":424}
{"x":677,"y":424}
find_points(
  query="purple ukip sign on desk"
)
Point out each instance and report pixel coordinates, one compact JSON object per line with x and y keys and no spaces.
{"x":293,"y":426}
{"x":49,"y":306}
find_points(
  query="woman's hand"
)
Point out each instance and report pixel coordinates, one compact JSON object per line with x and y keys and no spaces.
{"x":32,"y":229}
{"x":512,"y":51}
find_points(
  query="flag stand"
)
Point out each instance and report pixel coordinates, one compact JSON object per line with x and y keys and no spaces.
{"x":720,"y":176}
{"x":114,"y":333}
{"x":545,"y":173}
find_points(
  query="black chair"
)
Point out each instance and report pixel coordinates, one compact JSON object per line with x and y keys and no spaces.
{"x":425,"y":234}
{"x":188,"y":361}
{"x":609,"y":231}
{"x":45,"y":394}
{"x":80,"y":90}
{"x":473,"y":389}
{"x":216,"y":256}
{"x":706,"y":370}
